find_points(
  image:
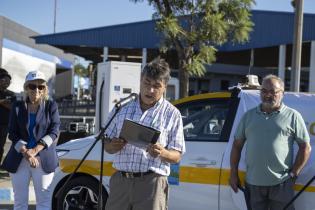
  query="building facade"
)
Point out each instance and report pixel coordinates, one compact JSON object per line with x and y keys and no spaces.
{"x":19,"y":54}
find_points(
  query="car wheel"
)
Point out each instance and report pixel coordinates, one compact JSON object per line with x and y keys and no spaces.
{"x":80,"y":193}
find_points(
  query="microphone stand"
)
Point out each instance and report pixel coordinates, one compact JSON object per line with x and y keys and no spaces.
{"x":299,"y":193}
{"x":99,"y":137}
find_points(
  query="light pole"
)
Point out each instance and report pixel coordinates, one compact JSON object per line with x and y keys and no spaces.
{"x":55,"y":15}
{"x":297,"y":45}
{"x":79,"y":87}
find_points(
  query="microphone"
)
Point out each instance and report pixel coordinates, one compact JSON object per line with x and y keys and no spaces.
{"x":126,"y":100}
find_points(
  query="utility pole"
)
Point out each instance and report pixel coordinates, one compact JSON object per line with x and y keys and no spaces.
{"x":55,"y":15}
{"x":79,"y":87}
{"x":297,"y":46}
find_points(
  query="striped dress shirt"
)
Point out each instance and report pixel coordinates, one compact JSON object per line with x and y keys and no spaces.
{"x":164,"y":117}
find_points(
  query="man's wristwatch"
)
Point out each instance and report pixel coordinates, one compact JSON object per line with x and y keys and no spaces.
{"x":293,"y":175}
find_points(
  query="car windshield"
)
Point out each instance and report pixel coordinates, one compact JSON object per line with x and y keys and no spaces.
{"x":203,"y":122}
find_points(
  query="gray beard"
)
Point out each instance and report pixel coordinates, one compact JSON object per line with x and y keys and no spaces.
{"x":271,"y":105}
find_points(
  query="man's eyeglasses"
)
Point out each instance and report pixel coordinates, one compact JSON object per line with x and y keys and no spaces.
{"x":33,"y":87}
{"x":272,"y":92}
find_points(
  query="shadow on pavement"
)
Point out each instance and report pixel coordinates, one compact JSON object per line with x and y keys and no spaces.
{"x":10,"y":207}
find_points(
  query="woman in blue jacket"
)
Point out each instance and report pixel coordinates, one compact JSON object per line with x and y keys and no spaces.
{"x":33,"y":130}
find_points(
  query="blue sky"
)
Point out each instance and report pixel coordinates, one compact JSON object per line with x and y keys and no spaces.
{"x":38,"y":15}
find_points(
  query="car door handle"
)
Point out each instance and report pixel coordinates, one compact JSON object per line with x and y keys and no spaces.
{"x":203,"y":162}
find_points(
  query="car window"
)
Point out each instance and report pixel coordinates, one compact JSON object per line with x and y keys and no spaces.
{"x":204,"y":120}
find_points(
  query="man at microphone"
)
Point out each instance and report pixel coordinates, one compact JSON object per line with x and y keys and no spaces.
{"x":140,"y":181}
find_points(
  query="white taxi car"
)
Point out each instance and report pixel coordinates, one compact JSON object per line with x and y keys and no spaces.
{"x":200,"y":180}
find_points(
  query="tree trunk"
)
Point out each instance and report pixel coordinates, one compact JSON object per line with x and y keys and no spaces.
{"x":183,"y":80}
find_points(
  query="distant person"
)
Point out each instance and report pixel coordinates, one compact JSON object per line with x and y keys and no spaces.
{"x":33,"y":130}
{"x":140,"y":181}
{"x":269,"y":131}
{"x":217,"y":128}
{"x":6,"y":99}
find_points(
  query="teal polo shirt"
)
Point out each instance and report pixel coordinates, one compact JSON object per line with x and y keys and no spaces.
{"x":269,"y":142}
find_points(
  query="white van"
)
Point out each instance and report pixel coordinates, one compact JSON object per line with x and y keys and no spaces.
{"x":200,"y":181}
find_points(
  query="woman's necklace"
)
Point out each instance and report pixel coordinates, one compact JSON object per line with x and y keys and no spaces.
{"x":33,"y":108}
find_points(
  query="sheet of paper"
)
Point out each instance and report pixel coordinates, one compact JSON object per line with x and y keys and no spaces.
{"x":137,"y":134}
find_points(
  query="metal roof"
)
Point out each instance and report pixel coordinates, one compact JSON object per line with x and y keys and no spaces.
{"x":271,"y":29}
{"x":130,"y":35}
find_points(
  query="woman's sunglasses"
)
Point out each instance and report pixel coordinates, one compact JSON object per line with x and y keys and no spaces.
{"x":33,"y":87}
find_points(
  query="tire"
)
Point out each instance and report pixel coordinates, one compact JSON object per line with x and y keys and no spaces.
{"x":81,"y":193}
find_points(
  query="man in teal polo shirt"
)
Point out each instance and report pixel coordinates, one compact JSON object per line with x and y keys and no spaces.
{"x":269,"y":131}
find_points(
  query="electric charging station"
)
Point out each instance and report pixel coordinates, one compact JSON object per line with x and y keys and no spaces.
{"x":115,"y":80}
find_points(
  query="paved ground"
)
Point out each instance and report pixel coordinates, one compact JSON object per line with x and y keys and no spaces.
{"x":6,"y":192}
{"x":10,"y":207}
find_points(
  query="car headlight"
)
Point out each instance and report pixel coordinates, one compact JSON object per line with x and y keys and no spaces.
{"x":62,"y":152}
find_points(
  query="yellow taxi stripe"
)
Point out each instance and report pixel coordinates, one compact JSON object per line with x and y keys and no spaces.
{"x":91,"y":167}
{"x":187,"y":174}
{"x":225,"y":174}
{"x":202,"y":96}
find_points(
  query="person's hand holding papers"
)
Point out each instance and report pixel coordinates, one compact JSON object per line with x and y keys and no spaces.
{"x":155,"y":150}
{"x":167,"y":155}
{"x":115,"y":145}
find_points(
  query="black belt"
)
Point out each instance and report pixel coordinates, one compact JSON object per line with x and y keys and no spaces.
{"x":134,"y":174}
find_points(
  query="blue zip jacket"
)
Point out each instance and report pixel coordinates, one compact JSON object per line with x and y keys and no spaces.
{"x":46,"y":129}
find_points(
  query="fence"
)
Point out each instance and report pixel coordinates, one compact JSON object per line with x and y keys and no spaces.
{"x":77,"y":119}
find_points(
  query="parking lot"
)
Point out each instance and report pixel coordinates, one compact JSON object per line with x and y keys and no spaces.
{"x":6,"y":195}
{"x":10,"y":207}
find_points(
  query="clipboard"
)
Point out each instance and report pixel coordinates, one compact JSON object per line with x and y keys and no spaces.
{"x":137,"y":134}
